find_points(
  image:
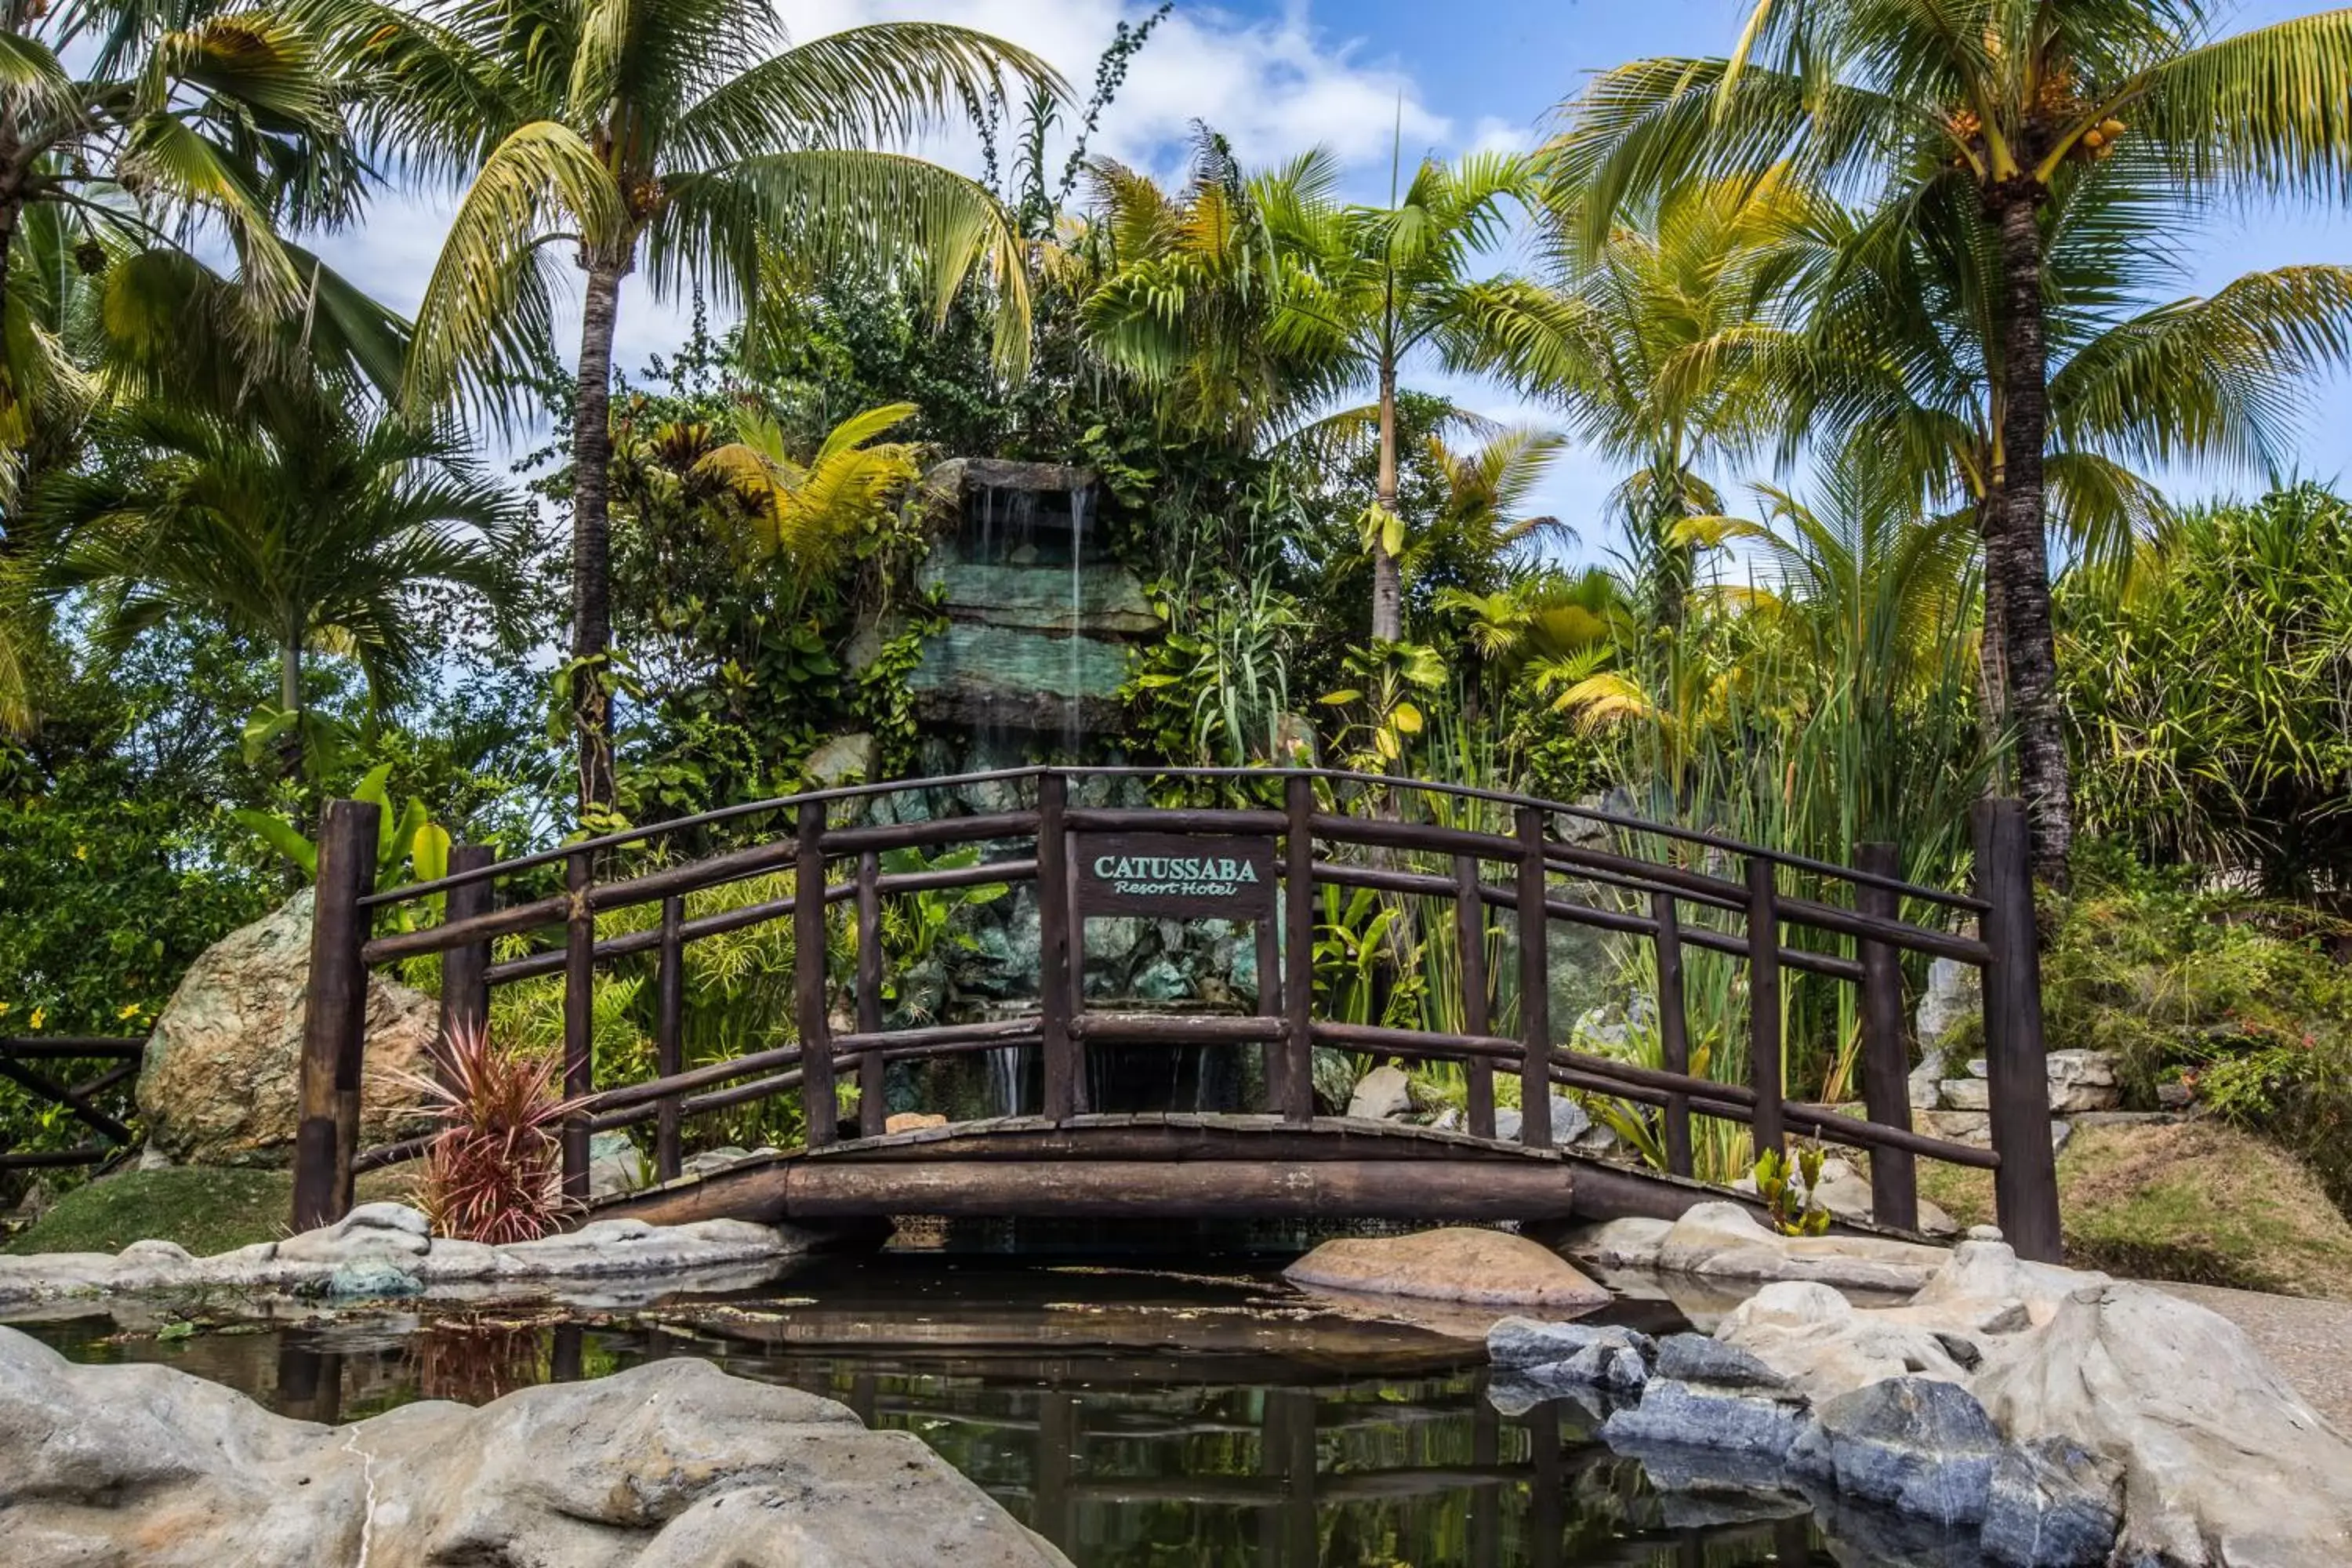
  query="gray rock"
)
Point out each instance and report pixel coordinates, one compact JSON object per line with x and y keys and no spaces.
{"x":845,"y":759}
{"x":1695,"y":1358}
{"x":2224,"y":1463}
{"x":372,"y":1278}
{"x":1569,"y":1121}
{"x":1702,"y":1395}
{"x":1381,"y":1094}
{"x":1964,"y":1094}
{"x":2083,"y":1080}
{"x":1334,"y":1079}
{"x":614,"y":1167}
{"x":663,"y":1466}
{"x":1724,"y":1240}
{"x":1954,"y":996}
{"x":1518,"y":1342}
{"x":2052,"y":1504}
{"x":1915,"y":1444}
{"x":369,"y":1231}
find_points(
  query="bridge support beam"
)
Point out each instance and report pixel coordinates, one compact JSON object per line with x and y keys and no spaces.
{"x":1425,"y":1191}
{"x":334,"y":1019}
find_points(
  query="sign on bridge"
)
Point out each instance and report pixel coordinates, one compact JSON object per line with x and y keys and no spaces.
{"x":1186,"y":875}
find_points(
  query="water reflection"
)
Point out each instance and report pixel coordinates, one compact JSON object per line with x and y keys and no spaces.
{"x":1137,"y":1421}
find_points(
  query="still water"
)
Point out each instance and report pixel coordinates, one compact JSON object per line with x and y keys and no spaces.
{"x":1137,"y":1416}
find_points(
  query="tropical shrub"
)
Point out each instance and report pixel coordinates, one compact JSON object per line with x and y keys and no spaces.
{"x":495,"y":1172}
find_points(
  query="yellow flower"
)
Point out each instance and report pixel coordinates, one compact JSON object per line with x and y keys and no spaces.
{"x":35,"y":1021}
{"x":130,"y":1010}
{"x":81,"y":851}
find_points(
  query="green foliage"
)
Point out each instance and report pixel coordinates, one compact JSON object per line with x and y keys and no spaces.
{"x":1785,"y":1185}
{"x":410,"y":845}
{"x":2207,"y":686}
{"x":2238,"y":998}
{"x":204,"y":1210}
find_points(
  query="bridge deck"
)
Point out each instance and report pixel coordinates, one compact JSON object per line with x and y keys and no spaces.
{"x":1168,"y":1166}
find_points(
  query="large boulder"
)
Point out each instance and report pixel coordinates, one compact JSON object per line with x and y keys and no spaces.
{"x":2223,"y":1463}
{"x":670,"y":1464}
{"x":1482,"y":1268}
{"x":221,"y":1081}
{"x":1723,"y":1241}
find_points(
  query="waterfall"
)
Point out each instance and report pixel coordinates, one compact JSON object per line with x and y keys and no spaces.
{"x":1005,"y":1079}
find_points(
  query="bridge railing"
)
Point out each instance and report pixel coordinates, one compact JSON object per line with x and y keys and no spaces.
{"x":1309,"y":842}
{"x":97,"y":1103}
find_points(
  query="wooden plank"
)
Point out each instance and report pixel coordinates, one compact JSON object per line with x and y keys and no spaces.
{"x":1886,"y":1052}
{"x":1535,"y":986}
{"x":933,"y":830}
{"x":1056,"y":923}
{"x":1764,"y":1002}
{"x":819,"y":1107}
{"x":669,"y":1030}
{"x":1470,"y":941}
{"x":334,"y":1024}
{"x":1293,"y":1089}
{"x":1097,"y":819}
{"x":1196,"y":1189}
{"x":1673,"y":1029}
{"x":579,"y":1015}
{"x":873,"y":1098}
{"x":2025,"y":1190}
{"x":1151,"y":1029}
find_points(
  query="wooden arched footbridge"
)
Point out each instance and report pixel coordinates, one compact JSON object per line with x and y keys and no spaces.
{"x":1468,"y":865}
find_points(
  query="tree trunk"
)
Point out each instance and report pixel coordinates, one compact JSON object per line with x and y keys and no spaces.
{"x":1992,"y":658}
{"x":1388,"y":581}
{"x":592,"y":617}
{"x":2017,"y":558}
{"x":290,"y":700}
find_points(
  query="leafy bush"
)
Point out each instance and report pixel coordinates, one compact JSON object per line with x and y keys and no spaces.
{"x":2237,"y":997}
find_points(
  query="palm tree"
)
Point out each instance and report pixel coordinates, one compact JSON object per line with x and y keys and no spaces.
{"x":2011,"y":102}
{"x":180,"y":114}
{"x":1688,"y":327}
{"x":1364,"y":289}
{"x":1191,"y":285}
{"x":688,"y":135}
{"x":321,"y":533}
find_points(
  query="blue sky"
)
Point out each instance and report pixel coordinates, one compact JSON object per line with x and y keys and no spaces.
{"x":1279,"y":75}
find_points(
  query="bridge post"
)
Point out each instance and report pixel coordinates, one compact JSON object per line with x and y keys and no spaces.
{"x":334,"y":1019}
{"x":1764,"y":1002}
{"x":2025,"y":1184}
{"x":465,"y":971}
{"x":578,"y":1018}
{"x":1673,"y":1029}
{"x":873,"y":1080}
{"x":1535,"y":986}
{"x":1053,"y":945}
{"x":1470,"y":939}
{"x":1294,"y":1086}
{"x":820,"y":1107}
{"x":1886,"y":1056}
{"x":669,"y":1027}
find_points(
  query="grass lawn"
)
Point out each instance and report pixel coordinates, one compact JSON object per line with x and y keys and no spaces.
{"x":2196,"y":1202}
{"x":205,"y":1209}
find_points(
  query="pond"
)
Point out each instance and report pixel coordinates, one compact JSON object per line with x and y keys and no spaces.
{"x":1133,"y":1414}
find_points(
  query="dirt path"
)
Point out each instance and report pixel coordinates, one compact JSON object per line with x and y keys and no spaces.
{"x":2310,"y":1341}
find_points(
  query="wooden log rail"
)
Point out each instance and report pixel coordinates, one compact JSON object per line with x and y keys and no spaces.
{"x":78,"y":1100}
{"x":1669,"y":902}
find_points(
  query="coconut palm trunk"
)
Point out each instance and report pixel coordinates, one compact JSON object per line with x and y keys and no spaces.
{"x":290,"y":701}
{"x":592,"y":614}
{"x":1388,"y":578}
{"x":2017,"y":553}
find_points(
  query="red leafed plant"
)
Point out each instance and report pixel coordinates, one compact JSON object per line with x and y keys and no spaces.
{"x":495,"y":1172}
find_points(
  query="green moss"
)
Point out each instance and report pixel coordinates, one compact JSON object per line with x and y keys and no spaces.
{"x":2200,"y":1203}
{"x":204,"y":1210}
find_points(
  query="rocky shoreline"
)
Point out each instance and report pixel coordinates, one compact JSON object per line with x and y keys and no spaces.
{"x":2008,"y":1412}
{"x":386,"y":1250}
{"x":670,"y":1465}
